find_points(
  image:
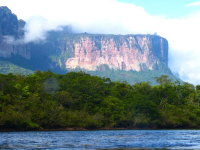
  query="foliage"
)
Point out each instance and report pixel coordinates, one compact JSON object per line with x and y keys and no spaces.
{"x":77,"y":99}
{"x":132,"y":77}
{"x":7,"y":67}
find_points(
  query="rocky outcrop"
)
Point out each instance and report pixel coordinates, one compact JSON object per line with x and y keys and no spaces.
{"x":8,"y":22}
{"x":130,"y":52}
{"x":11,"y":31}
{"x":7,"y":49}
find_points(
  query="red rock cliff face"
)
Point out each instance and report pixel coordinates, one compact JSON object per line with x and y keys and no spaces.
{"x":86,"y":51}
{"x":133,"y":52}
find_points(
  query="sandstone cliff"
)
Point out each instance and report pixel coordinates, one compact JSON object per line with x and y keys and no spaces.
{"x":131,"y":58}
{"x":83,"y":51}
{"x":129,"y":52}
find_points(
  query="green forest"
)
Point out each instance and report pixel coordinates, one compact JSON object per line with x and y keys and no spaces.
{"x":46,"y":100}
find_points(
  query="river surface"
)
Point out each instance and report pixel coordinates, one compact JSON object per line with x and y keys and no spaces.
{"x":106,"y":139}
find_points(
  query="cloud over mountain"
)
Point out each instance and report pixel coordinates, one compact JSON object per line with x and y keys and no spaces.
{"x":113,"y":17}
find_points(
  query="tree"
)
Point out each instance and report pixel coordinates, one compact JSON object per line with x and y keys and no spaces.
{"x":163,"y":80}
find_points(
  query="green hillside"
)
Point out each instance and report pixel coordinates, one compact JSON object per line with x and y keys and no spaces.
{"x":133,"y":77}
{"x":7,"y":67}
{"x":130,"y":77}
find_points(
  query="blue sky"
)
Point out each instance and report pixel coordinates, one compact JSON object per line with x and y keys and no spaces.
{"x":168,"y":8}
{"x":176,"y":20}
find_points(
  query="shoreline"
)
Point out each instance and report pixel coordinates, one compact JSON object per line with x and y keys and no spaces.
{"x":101,"y":129}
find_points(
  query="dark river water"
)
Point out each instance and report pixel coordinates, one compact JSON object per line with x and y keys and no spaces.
{"x":112,"y":139}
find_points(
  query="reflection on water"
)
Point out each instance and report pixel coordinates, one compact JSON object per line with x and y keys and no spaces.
{"x":117,"y":140}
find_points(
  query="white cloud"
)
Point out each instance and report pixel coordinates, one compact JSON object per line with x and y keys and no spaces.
{"x":193,"y":4}
{"x":113,"y":17}
{"x":37,"y":27}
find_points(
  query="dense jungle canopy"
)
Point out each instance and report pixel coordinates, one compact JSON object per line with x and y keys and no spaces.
{"x":45,"y":100}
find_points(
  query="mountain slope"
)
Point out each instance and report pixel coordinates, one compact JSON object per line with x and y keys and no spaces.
{"x":8,"y":67}
{"x":134,"y":58}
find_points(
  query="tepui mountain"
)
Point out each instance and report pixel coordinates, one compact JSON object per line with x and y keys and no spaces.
{"x":131,"y":58}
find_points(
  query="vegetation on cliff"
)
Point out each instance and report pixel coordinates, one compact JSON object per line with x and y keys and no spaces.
{"x":132,"y":77}
{"x":8,"y":67}
{"x":16,"y":66}
{"x":76,"y":99}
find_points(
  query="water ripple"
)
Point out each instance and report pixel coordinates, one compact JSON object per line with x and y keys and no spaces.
{"x":119,"y":140}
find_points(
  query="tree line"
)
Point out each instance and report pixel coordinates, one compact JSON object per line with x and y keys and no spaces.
{"x":46,"y":100}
